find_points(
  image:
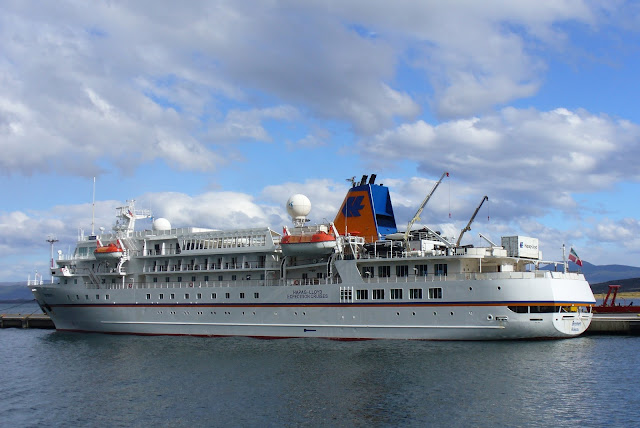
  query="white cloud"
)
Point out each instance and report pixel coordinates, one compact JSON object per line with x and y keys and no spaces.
{"x":520,"y":156}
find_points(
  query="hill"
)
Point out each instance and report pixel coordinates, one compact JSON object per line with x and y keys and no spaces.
{"x":600,"y":274}
{"x":15,"y":291}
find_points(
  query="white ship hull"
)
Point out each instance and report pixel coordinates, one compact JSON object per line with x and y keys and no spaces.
{"x":316,"y":311}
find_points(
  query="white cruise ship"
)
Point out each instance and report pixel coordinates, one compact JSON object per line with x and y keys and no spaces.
{"x":354,"y":278}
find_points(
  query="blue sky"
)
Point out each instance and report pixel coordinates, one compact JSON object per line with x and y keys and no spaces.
{"x":212,"y":114}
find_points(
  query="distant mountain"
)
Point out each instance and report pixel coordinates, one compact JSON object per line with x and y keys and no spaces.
{"x":600,"y":274}
{"x":12,"y":291}
{"x":626,"y":285}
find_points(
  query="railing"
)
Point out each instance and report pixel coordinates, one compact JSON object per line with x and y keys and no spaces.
{"x":210,"y":267}
{"x":475,"y":277}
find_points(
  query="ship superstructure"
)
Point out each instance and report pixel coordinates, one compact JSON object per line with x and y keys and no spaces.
{"x":354,"y":278}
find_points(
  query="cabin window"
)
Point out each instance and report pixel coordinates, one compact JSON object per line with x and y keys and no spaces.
{"x":346,"y":294}
{"x":362,"y":294}
{"x":422,"y":270}
{"x":440,"y":269}
{"x":113,"y":281}
{"x":435,"y":293}
{"x":179,"y":279}
{"x":368,"y":271}
{"x":173,"y":296}
{"x":106,"y":297}
{"x":199,"y":296}
{"x":214,"y":296}
{"x":233,"y":277}
{"x":155,"y":279}
{"x":206,"y":278}
{"x":256,"y":295}
{"x":161,"y":296}
{"x":242,"y":295}
{"x":396,"y":293}
{"x":65,"y":281}
{"x":193,"y":279}
{"x":402,"y":270}
{"x":186,"y":295}
{"x":219,"y":277}
{"x":519,"y":309}
{"x":415,"y":293}
{"x":97,"y":297}
{"x":227,"y":295}
{"x":75,"y":281}
{"x":377,"y":294}
{"x":384,"y":271}
{"x":166,"y":279}
{"x":148,"y":296}
{"x":103,"y":280}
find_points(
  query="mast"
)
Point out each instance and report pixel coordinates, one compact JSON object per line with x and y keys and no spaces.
{"x":93,"y":208}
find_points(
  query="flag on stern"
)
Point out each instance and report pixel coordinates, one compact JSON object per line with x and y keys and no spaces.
{"x":573,"y":256}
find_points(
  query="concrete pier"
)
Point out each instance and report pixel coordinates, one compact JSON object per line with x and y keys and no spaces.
{"x":26,"y":321}
{"x":628,"y":323}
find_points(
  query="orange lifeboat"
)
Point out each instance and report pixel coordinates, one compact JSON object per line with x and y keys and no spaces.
{"x":111,"y":251}
{"x":309,"y":243}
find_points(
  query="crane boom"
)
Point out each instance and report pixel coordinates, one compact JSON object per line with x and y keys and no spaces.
{"x":417,"y":216}
{"x":468,"y":226}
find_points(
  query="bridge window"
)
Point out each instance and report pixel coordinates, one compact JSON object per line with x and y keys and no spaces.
{"x":440,"y":269}
{"x":422,"y":270}
{"x":384,"y":271}
{"x":368,"y":271}
{"x":402,"y":270}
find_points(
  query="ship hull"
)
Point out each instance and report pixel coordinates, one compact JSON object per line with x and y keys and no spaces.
{"x":477,"y":310}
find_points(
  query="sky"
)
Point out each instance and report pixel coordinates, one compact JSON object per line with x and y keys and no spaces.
{"x":213,"y":113}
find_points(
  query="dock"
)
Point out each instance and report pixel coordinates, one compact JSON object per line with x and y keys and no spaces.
{"x":26,"y":321}
{"x":615,"y":323}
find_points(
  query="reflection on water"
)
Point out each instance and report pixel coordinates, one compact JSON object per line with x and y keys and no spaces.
{"x":91,"y":379}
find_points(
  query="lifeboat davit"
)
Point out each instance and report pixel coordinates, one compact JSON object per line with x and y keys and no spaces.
{"x":111,"y":251}
{"x":316,"y":243}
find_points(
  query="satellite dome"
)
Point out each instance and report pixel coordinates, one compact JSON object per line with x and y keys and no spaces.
{"x":298,"y":207}
{"x":161,"y":224}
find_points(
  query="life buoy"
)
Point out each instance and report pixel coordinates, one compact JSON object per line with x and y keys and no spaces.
{"x":296,"y":282}
{"x":191,"y":284}
{"x":130,"y":286}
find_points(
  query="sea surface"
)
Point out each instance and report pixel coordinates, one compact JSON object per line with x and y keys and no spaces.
{"x":49,"y":378}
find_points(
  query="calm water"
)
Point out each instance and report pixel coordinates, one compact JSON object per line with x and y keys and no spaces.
{"x":66,"y":379}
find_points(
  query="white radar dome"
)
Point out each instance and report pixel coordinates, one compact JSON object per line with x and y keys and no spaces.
{"x":298,"y":206}
{"x":161,"y":224}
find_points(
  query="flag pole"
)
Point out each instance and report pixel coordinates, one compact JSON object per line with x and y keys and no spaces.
{"x":564,"y":259}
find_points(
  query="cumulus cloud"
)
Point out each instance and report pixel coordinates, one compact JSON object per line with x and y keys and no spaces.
{"x":520,"y":156}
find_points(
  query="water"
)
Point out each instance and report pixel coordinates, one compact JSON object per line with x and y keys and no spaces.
{"x":68,"y":379}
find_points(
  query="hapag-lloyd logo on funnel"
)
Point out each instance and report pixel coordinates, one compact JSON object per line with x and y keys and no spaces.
{"x":353,"y":206}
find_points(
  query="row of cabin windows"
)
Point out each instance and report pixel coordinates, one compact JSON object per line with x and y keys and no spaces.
{"x":86,"y":297}
{"x":440,"y":269}
{"x":187,"y":296}
{"x":396,"y":293}
{"x":205,"y":278}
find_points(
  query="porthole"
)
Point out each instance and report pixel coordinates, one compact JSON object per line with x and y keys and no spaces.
{"x":489,"y":317}
{"x":451,"y":313}
{"x":499,"y":288}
